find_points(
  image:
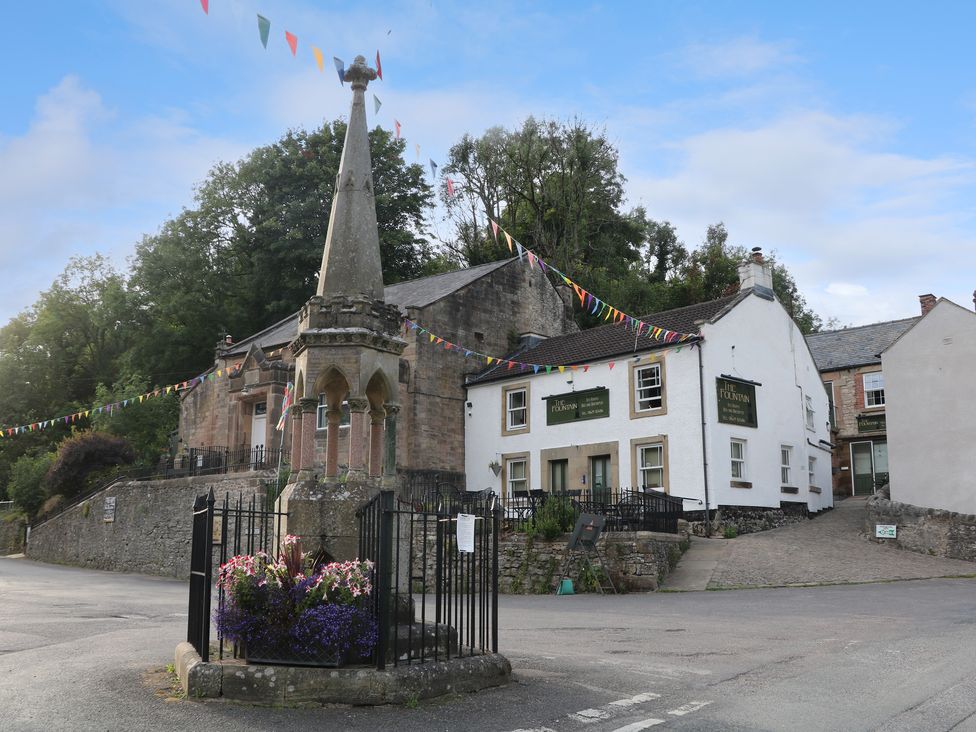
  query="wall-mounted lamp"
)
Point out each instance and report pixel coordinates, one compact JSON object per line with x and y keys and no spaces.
{"x":496,"y":467}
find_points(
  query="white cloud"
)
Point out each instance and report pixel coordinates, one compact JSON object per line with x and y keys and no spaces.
{"x":736,"y":57}
{"x":846,"y":289}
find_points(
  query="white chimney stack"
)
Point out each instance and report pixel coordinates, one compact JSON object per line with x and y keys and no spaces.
{"x":755,"y":272}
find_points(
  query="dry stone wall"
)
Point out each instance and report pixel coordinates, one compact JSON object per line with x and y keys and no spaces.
{"x":12,"y":530}
{"x":925,"y":530}
{"x":151,"y":530}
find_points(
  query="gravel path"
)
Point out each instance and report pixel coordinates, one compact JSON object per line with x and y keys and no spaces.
{"x":828,"y":549}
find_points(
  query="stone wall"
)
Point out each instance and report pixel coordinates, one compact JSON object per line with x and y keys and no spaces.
{"x":748,"y":520}
{"x":637,"y":561}
{"x":151,"y":530}
{"x":12,"y":528}
{"x":924,"y":530}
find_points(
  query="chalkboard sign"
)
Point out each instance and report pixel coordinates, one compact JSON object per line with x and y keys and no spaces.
{"x":736,"y":402}
{"x":577,"y":406}
{"x":587,"y":531}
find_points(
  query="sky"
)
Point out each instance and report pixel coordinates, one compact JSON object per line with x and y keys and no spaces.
{"x":838,"y":135}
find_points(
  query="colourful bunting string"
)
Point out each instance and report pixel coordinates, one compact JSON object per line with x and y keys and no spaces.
{"x":264,"y":29}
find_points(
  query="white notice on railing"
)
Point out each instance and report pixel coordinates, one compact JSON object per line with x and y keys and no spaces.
{"x":465,"y":532}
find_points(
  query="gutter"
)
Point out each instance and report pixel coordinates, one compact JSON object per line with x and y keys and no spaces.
{"x":701,"y":395}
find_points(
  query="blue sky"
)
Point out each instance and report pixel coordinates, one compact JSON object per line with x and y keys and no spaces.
{"x":840,"y":135}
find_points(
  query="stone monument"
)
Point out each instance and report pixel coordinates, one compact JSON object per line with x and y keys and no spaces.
{"x":348,"y":348}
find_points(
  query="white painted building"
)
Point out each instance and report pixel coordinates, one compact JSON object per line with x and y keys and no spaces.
{"x":930,"y":410}
{"x":639,"y":413}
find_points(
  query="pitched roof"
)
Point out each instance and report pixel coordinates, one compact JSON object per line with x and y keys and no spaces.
{"x":606,"y":341}
{"x":413,"y":293}
{"x":858,"y":346}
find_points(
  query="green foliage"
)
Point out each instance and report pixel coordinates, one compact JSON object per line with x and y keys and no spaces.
{"x":147,"y":426}
{"x":555,"y":517}
{"x":86,"y":457}
{"x":730,"y":532}
{"x":27,"y":484}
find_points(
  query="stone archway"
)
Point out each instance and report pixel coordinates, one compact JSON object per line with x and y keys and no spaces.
{"x":332,"y":382}
{"x":378,"y":393}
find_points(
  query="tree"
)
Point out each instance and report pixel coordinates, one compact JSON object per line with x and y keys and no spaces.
{"x":146,"y":425}
{"x":27,"y":487}
{"x":248,"y":253}
{"x":83,"y":455}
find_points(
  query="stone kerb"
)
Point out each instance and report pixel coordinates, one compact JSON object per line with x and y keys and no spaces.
{"x":238,"y":681}
{"x":930,"y":531}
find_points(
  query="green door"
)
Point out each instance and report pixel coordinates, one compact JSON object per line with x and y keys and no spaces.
{"x":600,"y":478}
{"x":862,"y":460}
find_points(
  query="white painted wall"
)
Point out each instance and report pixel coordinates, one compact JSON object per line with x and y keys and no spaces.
{"x":768,"y":349}
{"x":930,"y":411}
{"x":758,"y":341}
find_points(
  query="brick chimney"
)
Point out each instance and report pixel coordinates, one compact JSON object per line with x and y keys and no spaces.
{"x":755,"y":272}
{"x":927,"y":302}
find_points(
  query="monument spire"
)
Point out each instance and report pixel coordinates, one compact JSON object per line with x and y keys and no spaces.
{"x":351,"y":259}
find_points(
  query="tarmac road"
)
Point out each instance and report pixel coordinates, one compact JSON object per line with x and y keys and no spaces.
{"x":76,"y":647}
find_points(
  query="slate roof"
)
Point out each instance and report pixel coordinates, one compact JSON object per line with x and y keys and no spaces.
{"x":607,"y":341}
{"x":413,"y":293}
{"x":858,"y":346}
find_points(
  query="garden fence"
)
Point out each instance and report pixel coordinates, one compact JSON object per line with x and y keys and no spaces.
{"x":626,"y":509}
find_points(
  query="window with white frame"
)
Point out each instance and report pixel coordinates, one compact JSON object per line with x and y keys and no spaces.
{"x":516,"y":409}
{"x":516,"y":471}
{"x":321,"y":416}
{"x":650,"y":466}
{"x":874,"y":395}
{"x":738,"y":459}
{"x":785,"y":464}
{"x":648,"y":388}
{"x":808,"y":406}
{"x":812,"y":470}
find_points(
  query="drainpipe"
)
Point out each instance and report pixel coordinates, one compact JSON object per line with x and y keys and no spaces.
{"x":701,"y":394}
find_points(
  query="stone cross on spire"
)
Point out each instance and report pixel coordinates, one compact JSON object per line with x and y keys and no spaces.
{"x":351,"y":259}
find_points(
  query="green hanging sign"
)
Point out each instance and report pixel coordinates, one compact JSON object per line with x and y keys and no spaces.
{"x":577,"y":406}
{"x":736,"y":402}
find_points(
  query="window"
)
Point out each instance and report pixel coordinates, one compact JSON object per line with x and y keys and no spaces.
{"x":874,"y":395}
{"x":517,"y":475}
{"x":831,"y":411}
{"x":557,"y":475}
{"x":785,"y":459}
{"x":322,"y":419}
{"x":650,"y":466}
{"x":812,"y":470}
{"x":648,"y":388}
{"x":738,"y":459}
{"x":808,"y":401}
{"x":515,"y":406}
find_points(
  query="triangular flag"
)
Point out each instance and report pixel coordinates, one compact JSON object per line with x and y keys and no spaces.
{"x":264,"y":28}
{"x":611,"y":365}
{"x":562,"y":369}
{"x":490,"y":359}
{"x":450,"y":188}
{"x":511,"y":364}
{"x":205,"y":4}
{"x":379,"y":67}
{"x":396,"y":124}
{"x":376,"y":104}
{"x":319,"y":61}
{"x":535,"y":368}
{"x":340,"y":67}
{"x":432,"y":337}
{"x":531,"y":260}
{"x":417,"y":148}
{"x":586,"y":368}
{"x":508,"y":238}
{"x":292,"y":42}
{"x":433,"y":169}
{"x":494,"y":230}
{"x":521,"y":251}
{"x":439,"y":341}
{"x":548,"y":369}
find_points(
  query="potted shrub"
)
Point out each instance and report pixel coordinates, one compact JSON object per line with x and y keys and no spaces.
{"x":285,"y":611}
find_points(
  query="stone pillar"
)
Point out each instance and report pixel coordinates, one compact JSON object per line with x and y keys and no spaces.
{"x":376,"y":442}
{"x":334,"y":418}
{"x":308,"y":405}
{"x":357,"y":420}
{"x":296,"y":437}
{"x":390,"y":456}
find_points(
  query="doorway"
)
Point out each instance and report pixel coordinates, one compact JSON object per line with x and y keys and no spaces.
{"x":600,"y":478}
{"x":869,"y":462}
{"x":259,"y":423}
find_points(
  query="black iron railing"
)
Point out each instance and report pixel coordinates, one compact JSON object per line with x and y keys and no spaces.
{"x":216,"y":460}
{"x":431,"y":601}
{"x":626,"y":509}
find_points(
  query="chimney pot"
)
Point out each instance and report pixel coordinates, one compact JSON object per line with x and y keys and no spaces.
{"x":757,"y":255}
{"x":228,"y":339}
{"x":927,"y":302}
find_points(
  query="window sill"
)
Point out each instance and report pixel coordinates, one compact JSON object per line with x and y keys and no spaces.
{"x":874,"y":408}
{"x":740,"y":484}
{"x":789,"y":489}
{"x":814,"y":489}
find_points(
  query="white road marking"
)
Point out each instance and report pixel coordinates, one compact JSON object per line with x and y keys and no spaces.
{"x":638,"y":726}
{"x":535,"y":729}
{"x":638,"y":699}
{"x":590,"y":715}
{"x":689,"y":708}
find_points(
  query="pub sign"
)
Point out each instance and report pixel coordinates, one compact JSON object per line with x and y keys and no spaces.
{"x":736,"y":402}
{"x":578,"y":405}
{"x":870,"y":422}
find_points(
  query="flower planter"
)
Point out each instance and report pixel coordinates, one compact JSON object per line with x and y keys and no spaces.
{"x":276,"y":657}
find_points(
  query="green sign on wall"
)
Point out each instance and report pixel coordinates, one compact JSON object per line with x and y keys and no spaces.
{"x":736,"y":402}
{"x":577,"y":406}
{"x":871,"y":422}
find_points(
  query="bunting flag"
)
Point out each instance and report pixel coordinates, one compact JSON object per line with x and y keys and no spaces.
{"x":396,"y":124}
{"x":264,"y":29}
{"x":417,"y":148}
{"x":205,"y":4}
{"x":590,"y":302}
{"x":450,"y":188}
{"x":340,"y":67}
{"x":284,"y":406}
{"x":292,"y":40}
{"x":433,"y":169}
{"x":523,"y":366}
{"x":376,"y":104}
{"x":319,"y":61}
{"x":379,"y":67}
